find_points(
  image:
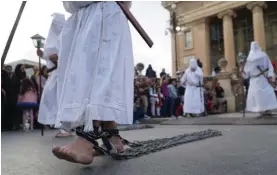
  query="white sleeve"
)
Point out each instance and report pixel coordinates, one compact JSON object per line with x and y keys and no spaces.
{"x":184,"y":78}
{"x":270,"y":68}
{"x":53,"y":39}
{"x":199,"y":73}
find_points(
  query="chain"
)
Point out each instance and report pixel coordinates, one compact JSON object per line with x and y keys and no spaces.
{"x":140,"y":148}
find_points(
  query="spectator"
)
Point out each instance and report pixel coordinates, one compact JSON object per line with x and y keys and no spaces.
{"x":172,"y":96}
{"x":208,"y":100}
{"x":159,"y":103}
{"x":5,"y":107}
{"x":220,"y":100}
{"x":138,"y":111}
{"x":164,"y":90}
{"x":9,"y":70}
{"x":163,"y":73}
{"x":144,"y":94}
{"x":199,"y":63}
{"x":181,"y":92}
{"x":27,"y":99}
{"x":150,"y":73}
{"x":216,"y":71}
{"x":17,"y":77}
{"x":153,"y":98}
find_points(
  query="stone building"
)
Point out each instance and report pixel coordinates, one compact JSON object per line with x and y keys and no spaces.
{"x":213,"y":30}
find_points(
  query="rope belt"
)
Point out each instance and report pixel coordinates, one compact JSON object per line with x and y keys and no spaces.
{"x":262,"y":72}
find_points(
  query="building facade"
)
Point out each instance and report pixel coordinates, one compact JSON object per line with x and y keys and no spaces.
{"x":210,"y":31}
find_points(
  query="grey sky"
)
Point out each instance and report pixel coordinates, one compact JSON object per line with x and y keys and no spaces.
{"x":36,"y":18}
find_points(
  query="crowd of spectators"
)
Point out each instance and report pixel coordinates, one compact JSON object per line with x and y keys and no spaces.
{"x":17,"y":89}
{"x":164,"y":97}
{"x":153,"y":97}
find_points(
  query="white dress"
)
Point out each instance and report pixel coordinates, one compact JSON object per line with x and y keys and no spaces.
{"x":261,"y":96}
{"x":96,"y":54}
{"x":194,"y":95}
{"x":49,"y":100}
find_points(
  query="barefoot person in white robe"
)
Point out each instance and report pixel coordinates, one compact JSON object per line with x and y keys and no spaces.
{"x":49,"y":100}
{"x":194,"y":97}
{"x":96,"y":53}
{"x":261,"y":97}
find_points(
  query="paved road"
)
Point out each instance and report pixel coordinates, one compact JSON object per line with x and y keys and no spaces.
{"x":242,"y":150}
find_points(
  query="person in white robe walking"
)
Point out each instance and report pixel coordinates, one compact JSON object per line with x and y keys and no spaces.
{"x":49,"y":100}
{"x":261,"y":97}
{"x":194,"y":96}
{"x":95,"y":50}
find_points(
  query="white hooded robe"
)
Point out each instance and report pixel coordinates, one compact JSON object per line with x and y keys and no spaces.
{"x":49,"y":100}
{"x":96,"y":54}
{"x":194,"y":96}
{"x":261,"y":96}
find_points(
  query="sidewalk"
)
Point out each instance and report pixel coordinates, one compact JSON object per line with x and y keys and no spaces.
{"x":221,"y":119}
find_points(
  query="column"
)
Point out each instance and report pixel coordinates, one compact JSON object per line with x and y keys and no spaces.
{"x":202,"y":45}
{"x":180,"y":50}
{"x":258,"y":22}
{"x":173,"y":52}
{"x":229,"y":46}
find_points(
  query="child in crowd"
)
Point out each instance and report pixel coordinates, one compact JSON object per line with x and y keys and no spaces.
{"x":27,"y":100}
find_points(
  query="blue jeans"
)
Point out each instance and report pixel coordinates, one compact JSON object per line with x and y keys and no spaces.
{"x":164,"y":111}
{"x":138,"y":114}
{"x":172,"y":106}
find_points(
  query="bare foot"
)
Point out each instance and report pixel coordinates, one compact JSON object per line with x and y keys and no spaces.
{"x":81,"y":151}
{"x":65,"y":134}
{"x":117,"y":142}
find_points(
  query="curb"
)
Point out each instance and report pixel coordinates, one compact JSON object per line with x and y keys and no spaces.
{"x":223,"y":121}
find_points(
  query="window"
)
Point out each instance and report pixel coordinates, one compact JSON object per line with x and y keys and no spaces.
{"x":188,"y":40}
{"x":187,"y":59}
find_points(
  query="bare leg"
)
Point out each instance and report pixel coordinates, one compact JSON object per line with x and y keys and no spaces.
{"x":158,"y":111}
{"x":24,"y":119}
{"x":81,"y":151}
{"x":115,"y":140}
{"x":153,"y":109}
{"x":31,"y":113}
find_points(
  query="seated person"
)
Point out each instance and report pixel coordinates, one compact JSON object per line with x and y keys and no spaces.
{"x":220,"y":100}
{"x":138,"y":111}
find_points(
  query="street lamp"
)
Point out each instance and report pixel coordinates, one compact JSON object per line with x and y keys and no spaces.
{"x":38,"y":42}
{"x":175,"y":30}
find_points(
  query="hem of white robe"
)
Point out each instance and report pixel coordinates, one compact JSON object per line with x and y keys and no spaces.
{"x":257,"y":109}
{"x":73,"y":117}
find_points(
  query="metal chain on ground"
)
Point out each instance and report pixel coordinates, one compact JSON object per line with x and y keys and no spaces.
{"x":140,"y":148}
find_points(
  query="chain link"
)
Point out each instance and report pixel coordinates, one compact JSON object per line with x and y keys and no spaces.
{"x":140,"y":148}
